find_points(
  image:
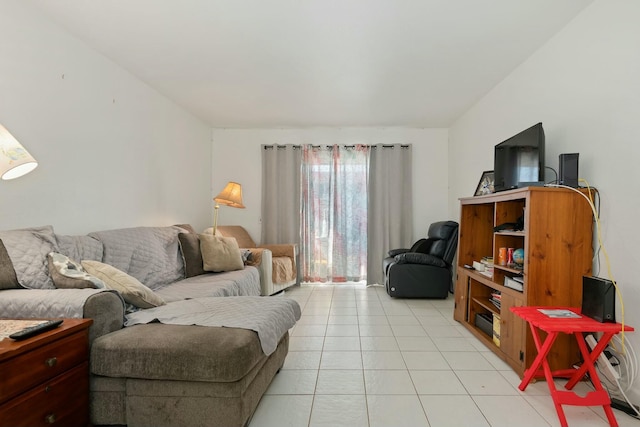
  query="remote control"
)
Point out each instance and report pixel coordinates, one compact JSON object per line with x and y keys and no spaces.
{"x":35,"y":330}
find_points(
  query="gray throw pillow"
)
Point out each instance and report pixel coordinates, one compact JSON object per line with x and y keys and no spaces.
{"x":191,"y":254}
{"x":68,"y":274}
{"x":8,"y":279}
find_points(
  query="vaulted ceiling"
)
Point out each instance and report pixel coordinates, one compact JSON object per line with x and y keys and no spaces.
{"x":291,"y":63}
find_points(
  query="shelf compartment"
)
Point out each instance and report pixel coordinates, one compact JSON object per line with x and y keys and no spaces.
{"x":487,"y":305}
{"x":484,"y":322}
{"x":516,"y":271}
{"x":509,"y":211}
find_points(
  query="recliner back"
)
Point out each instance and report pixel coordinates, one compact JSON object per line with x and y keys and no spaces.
{"x":442,"y":241}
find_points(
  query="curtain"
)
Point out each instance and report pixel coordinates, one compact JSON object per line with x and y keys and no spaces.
{"x":281,"y":194}
{"x":334,"y":213}
{"x":390,"y":205}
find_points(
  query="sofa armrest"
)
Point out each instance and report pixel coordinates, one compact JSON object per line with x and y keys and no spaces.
{"x":262,"y":259}
{"x":106,"y":308}
{"x":107,"y":311}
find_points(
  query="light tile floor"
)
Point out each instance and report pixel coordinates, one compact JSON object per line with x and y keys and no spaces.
{"x":360,"y":358}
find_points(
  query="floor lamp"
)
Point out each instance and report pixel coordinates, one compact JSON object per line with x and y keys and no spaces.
{"x":231,"y":195}
{"x":15,"y":160}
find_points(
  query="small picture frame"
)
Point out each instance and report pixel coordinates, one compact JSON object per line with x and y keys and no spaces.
{"x":485,"y":185}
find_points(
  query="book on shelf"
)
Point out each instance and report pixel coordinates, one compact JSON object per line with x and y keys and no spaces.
{"x":496,"y":330}
{"x":512,"y":283}
{"x":559,"y":313}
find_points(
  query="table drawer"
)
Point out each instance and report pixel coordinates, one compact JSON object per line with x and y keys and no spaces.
{"x":62,"y":401}
{"x":20,"y":374}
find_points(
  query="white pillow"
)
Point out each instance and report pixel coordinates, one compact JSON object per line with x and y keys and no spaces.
{"x":220,"y":253}
{"x":129,"y":287}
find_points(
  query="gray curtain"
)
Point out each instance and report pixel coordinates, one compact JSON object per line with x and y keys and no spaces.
{"x":281,"y":193}
{"x":390,"y":207}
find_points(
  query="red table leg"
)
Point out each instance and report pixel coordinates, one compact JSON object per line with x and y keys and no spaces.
{"x":599,"y":397}
{"x":543,"y":350}
{"x":591,"y":356}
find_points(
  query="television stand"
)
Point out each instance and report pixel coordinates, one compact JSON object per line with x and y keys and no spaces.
{"x":557,"y":242}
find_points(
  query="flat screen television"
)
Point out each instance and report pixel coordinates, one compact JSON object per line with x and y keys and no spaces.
{"x":519,"y":160}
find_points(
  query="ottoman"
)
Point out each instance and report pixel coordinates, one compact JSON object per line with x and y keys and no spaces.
{"x":172,"y":375}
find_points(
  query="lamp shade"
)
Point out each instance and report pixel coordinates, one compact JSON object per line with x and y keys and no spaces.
{"x":15,"y":160}
{"x":231,"y":195}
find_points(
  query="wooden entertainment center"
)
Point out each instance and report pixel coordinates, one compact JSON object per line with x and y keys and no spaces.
{"x":557,"y":240}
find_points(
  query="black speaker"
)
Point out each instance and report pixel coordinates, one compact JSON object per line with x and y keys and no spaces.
{"x":598,"y":299}
{"x":568,"y":170}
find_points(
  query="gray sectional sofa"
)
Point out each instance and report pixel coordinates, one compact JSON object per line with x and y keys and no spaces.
{"x":203,"y":365}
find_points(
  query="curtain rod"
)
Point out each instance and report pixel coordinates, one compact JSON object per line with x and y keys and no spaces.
{"x":267,"y":147}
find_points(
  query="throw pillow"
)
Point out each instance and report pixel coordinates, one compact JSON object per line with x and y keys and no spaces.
{"x":8,"y":279}
{"x":68,"y":274}
{"x":220,"y":253}
{"x":191,"y":254}
{"x":129,"y":287}
{"x":28,"y":249}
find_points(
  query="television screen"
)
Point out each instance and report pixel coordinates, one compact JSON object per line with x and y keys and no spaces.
{"x":519,"y":160}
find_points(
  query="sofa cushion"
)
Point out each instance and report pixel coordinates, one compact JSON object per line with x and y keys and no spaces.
{"x":129,"y":287}
{"x":68,"y":274}
{"x":191,"y":254}
{"x":80,"y":247}
{"x":28,"y":249}
{"x":150,"y":254}
{"x":230,"y":283}
{"x":176,"y":352}
{"x":220,"y":253}
{"x":8,"y":279}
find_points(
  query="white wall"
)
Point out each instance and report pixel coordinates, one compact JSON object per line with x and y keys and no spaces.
{"x":584,"y":86}
{"x":112,"y":152}
{"x":237,"y":157}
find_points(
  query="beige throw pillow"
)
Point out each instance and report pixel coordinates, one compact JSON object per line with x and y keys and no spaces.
{"x":220,"y":253}
{"x":129,"y":287}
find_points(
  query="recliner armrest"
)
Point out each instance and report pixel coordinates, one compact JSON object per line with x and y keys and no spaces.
{"x":284,"y":249}
{"x":418,"y":258}
{"x":394,"y":252}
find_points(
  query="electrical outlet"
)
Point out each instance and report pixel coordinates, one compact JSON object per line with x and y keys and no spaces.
{"x":603,"y":363}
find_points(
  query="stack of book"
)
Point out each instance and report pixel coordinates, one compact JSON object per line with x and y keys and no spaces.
{"x":487,"y":261}
{"x":515,"y":282}
{"x":496,"y":299}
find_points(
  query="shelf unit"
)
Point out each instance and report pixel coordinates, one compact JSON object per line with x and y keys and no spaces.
{"x":557,"y":242}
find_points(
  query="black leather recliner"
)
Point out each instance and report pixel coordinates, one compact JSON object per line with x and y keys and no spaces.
{"x":425,"y":270}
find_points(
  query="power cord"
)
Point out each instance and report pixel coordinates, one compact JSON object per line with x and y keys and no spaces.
{"x":555,"y":181}
{"x":601,"y":247}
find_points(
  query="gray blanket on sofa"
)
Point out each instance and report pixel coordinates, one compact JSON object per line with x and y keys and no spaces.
{"x":270,"y":317}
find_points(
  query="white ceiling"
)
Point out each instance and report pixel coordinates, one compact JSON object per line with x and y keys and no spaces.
{"x":299,"y":63}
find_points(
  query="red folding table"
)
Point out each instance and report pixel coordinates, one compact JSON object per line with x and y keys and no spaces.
{"x":577,"y":326}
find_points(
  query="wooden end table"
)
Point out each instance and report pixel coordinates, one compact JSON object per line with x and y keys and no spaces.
{"x":44,"y":380}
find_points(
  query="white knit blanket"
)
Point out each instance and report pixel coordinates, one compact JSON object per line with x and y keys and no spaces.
{"x":270,"y":317}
